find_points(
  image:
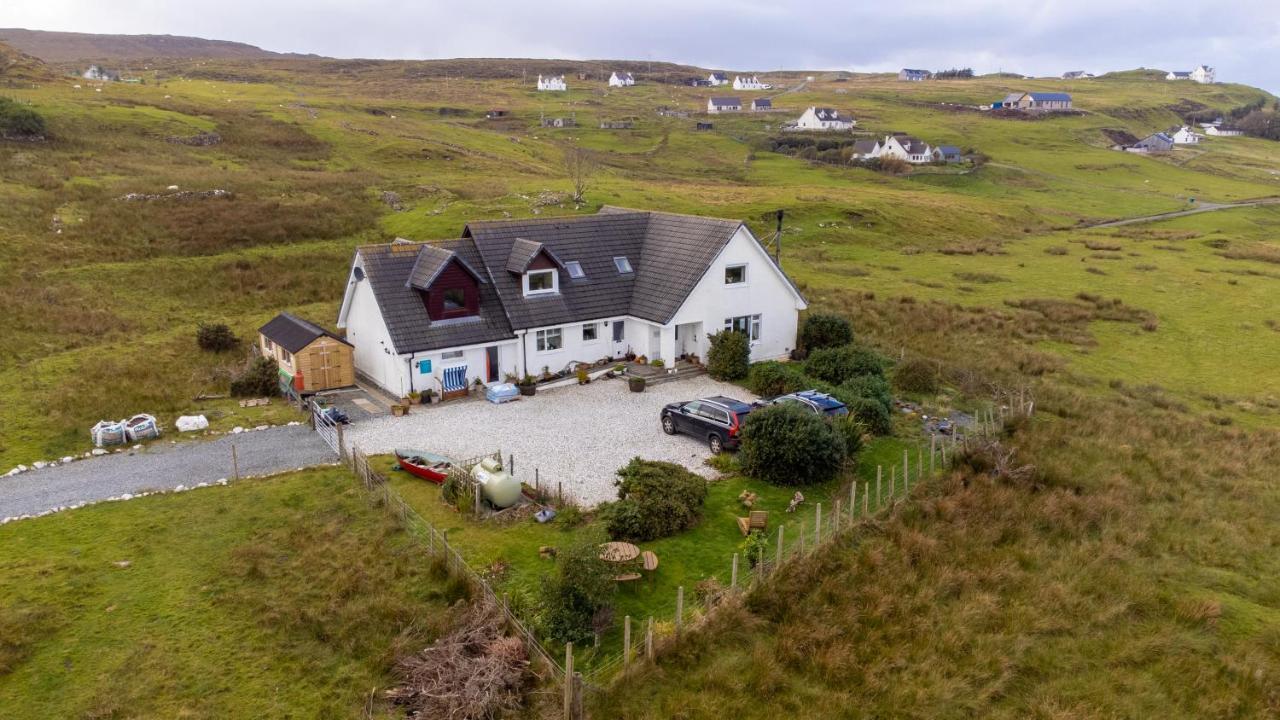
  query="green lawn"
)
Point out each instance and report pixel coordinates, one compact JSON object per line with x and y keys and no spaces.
{"x":282,"y":597}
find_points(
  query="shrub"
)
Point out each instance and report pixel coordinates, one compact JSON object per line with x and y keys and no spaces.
{"x":823,"y":330}
{"x":216,"y":337}
{"x":839,"y":364}
{"x":872,"y":414}
{"x":786,"y":445}
{"x":851,"y":430}
{"x":262,"y":377}
{"x":19,"y":121}
{"x":655,"y":499}
{"x":776,"y":378}
{"x":577,"y":594}
{"x":892,"y":165}
{"x":916,"y":376}
{"x":729,"y":357}
{"x":870,"y":387}
{"x":755,"y":548}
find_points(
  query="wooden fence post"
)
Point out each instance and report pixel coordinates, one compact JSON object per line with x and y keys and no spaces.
{"x":679,"y":609}
{"x":235,"y":462}
{"x":733,"y":574}
{"x":853,"y":501}
{"x":933,"y":449}
{"x":342,"y":448}
{"x":626,"y":641}
{"x":568,"y":680}
{"x":879,"y":479}
{"x":577,"y":696}
{"x":777,"y":563}
{"x":648,"y":640}
{"x":817,"y":525}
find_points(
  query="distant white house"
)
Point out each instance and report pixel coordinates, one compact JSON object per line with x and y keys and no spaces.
{"x":1076,"y":75}
{"x":554,"y":83}
{"x":717,"y":105}
{"x":912,"y":75}
{"x":717,"y":79}
{"x":1220,"y":130}
{"x":749,"y":83}
{"x":821,"y":118}
{"x":913,"y":150}
{"x":1203,"y":74}
{"x":97,"y":72}
{"x":761,"y":105}
{"x":1185,"y":136}
{"x":621,"y":80}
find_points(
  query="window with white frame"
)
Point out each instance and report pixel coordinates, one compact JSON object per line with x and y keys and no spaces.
{"x":575,"y":269}
{"x":539,"y":282}
{"x":735,"y":274}
{"x":549,"y":340}
{"x":589,"y":332}
{"x":623,"y":265}
{"x":748,"y":325}
{"x":284,"y":355}
{"x":267,"y":345}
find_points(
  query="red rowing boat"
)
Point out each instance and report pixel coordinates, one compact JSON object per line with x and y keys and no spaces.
{"x":425,"y":465}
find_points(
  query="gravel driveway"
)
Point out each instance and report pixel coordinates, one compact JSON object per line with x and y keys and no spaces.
{"x":576,"y":435}
{"x":161,"y":466}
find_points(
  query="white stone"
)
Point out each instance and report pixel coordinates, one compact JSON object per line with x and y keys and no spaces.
{"x":237,"y":430}
{"x":98,"y":451}
{"x":39,"y":464}
{"x":67,"y":458}
{"x":262,"y":427}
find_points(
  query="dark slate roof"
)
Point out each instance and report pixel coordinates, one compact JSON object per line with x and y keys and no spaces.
{"x":726,"y":101}
{"x":862,"y":147}
{"x":293,"y":333}
{"x":830,"y":114}
{"x":719,"y":76}
{"x":949,"y":149}
{"x":762,"y":102}
{"x":388,"y":268}
{"x":524,"y":251}
{"x":431,"y":262}
{"x":1050,"y":97}
{"x":913,"y":71}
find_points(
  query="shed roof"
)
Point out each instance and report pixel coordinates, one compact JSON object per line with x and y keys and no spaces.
{"x":293,"y":333}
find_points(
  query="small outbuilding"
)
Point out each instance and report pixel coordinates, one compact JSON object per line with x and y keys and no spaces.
{"x":311,"y":358}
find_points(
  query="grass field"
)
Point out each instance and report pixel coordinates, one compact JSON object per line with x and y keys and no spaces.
{"x":285,"y":597}
{"x":1134,"y":577}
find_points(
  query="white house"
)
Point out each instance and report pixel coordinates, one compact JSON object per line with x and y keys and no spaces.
{"x":913,"y":75}
{"x":554,"y":83}
{"x":1203,"y":74}
{"x":913,"y":150}
{"x":621,"y":80}
{"x":1076,"y":75}
{"x":821,"y":118}
{"x":1185,"y":136}
{"x":97,"y":72}
{"x":749,"y":83}
{"x":534,"y":296}
{"x":718,"y":105}
{"x":717,"y":79}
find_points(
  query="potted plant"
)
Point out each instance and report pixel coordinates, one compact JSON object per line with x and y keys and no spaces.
{"x":630,"y":356}
{"x":399,"y":410}
{"x":428,"y":396}
{"x":415,"y":397}
{"x":583,"y":377}
{"x":642,"y":360}
{"x":693,"y":359}
{"x":528,"y":386}
{"x":658,"y":363}
{"x":636,"y":383}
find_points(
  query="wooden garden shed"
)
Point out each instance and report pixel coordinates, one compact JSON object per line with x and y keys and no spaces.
{"x":311,"y":358}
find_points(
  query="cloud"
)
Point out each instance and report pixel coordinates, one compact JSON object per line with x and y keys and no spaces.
{"x":1042,"y":38}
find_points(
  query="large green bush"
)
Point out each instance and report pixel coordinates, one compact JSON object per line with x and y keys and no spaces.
{"x":729,"y":356}
{"x":786,"y":445}
{"x":839,"y":364}
{"x":916,"y":375}
{"x":17,"y":120}
{"x":216,"y":337}
{"x":823,"y":330}
{"x":873,"y":414}
{"x":655,"y":499}
{"x":575,"y":598}
{"x":873,"y":387}
{"x":776,"y":378}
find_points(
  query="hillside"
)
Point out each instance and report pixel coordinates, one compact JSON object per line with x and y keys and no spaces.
{"x":19,"y":66}
{"x":68,"y":46}
{"x":1132,"y":575}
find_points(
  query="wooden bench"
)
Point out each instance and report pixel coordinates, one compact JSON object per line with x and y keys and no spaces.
{"x":627,"y":577}
{"x":755,"y":520}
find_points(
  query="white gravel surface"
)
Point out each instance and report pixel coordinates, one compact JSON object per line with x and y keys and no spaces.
{"x":577,"y":435}
{"x":161,"y":466}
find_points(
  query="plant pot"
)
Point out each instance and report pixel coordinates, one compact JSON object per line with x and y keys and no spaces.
{"x":528,"y":390}
{"x":636,"y":384}
{"x":399,"y":410}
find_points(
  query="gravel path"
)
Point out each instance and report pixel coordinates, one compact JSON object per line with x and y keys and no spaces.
{"x":161,"y":466}
{"x":575,"y":435}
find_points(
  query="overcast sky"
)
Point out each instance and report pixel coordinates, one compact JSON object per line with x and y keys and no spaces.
{"x":1241,"y":38}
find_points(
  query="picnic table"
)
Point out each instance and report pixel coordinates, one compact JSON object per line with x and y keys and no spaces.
{"x":619,"y":552}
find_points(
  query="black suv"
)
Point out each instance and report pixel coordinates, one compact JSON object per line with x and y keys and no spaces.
{"x":715,"y":419}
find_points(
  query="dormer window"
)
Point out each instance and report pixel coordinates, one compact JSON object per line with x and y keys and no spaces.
{"x":623,"y":265}
{"x":541,"y":282}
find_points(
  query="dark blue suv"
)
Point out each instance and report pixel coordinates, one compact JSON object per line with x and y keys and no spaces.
{"x":714,"y":419}
{"x":818,"y":403}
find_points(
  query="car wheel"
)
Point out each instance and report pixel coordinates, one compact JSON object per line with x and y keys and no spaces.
{"x":668,"y":425}
{"x":717,"y":445}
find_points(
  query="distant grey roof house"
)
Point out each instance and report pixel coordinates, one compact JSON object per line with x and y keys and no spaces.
{"x":718,"y":105}
{"x":517,"y":297}
{"x":1157,"y":142}
{"x":913,"y":75}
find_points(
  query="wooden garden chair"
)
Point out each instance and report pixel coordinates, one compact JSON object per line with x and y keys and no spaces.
{"x":755,"y":520}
